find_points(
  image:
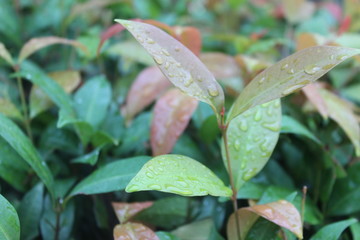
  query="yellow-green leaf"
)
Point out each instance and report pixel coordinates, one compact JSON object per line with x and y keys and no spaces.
{"x":9,"y":109}
{"x":5,"y":54}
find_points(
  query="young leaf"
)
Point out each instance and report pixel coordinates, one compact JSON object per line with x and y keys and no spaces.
{"x":178,"y":64}
{"x":90,"y":158}
{"x":289,"y":75}
{"x":180,"y":175}
{"x":6,"y":55}
{"x":341,"y":112}
{"x":246,"y":221}
{"x":9,"y":221}
{"x":40,"y":102}
{"x":133,"y":231}
{"x":281,"y":213}
{"x":252,"y":137}
{"x":227,"y":69}
{"x":92,"y":100}
{"x":173,"y":110}
{"x":125,"y":211}
{"x":36,"y":44}
{"x":111,"y":177}
{"x":9,"y":109}
{"x":22,"y":145}
{"x":333,"y":231}
{"x":148,"y":85}
{"x":312,"y":93}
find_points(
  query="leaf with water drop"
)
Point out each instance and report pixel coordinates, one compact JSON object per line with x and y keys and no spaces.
{"x":333,"y":231}
{"x":341,"y":112}
{"x":9,"y":221}
{"x":125,"y":211}
{"x":252,"y":137}
{"x":178,"y":64}
{"x":289,"y":75}
{"x":39,"y":101}
{"x":5,"y":55}
{"x":180,"y":175}
{"x":148,"y":86}
{"x":172,"y":113}
{"x":281,"y":213}
{"x":133,"y":231}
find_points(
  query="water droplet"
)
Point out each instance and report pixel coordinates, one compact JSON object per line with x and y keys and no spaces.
{"x":158,"y":60}
{"x":165,"y":52}
{"x":277,"y":104}
{"x":292,"y":89}
{"x":149,"y":175}
{"x":182,"y":183}
{"x":311,"y":69}
{"x":188,"y":81}
{"x":257,"y":139}
{"x":283,"y":67}
{"x":243,"y":126}
{"x":212,"y":90}
{"x":243,"y":164}
{"x":177,"y":49}
{"x":167,"y":65}
{"x":262,"y":80}
{"x":328,"y":67}
{"x":263,"y":146}
{"x":199,"y":78}
{"x":249,"y":174}
{"x":291,"y":71}
{"x":332,"y":57}
{"x":132,"y":188}
{"x":155,"y":187}
{"x":341,"y":57}
{"x":140,"y":39}
{"x":283,"y":202}
{"x":174,"y":189}
{"x":271,"y":126}
{"x":237,"y":144}
{"x":178,"y":64}
{"x":257,"y":116}
{"x":150,"y":41}
{"x":268,"y":212}
{"x":171,"y":75}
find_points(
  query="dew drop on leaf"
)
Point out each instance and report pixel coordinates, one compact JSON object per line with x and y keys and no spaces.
{"x":212,"y":90}
{"x":283,"y":67}
{"x":311,"y":69}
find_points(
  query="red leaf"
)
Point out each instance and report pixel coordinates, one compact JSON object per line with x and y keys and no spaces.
{"x":172,"y":113}
{"x":148,"y":85}
{"x":312,"y":93}
{"x":190,"y":37}
{"x":133,"y":231}
{"x":344,"y":25}
{"x":125,"y":211}
{"x":161,"y":25}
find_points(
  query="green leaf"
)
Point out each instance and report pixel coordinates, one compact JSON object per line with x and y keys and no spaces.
{"x":90,"y":158}
{"x":180,"y":175}
{"x":333,"y":231}
{"x":6,"y":55}
{"x":166,"y":236}
{"x":355,"y":230}
{"x":291,"y":125}
{"x":30,"y":211}
{"x":289,"y":75}
{"x":111,"y":177}
{"x":22,"y":145}
{"x":178,"y":64}
{"x":252,"y":137}
{"x":262,"y":230}
{"x":9,"y":221}
{"x":9,"y":109}
{"x":200,"y":230}
{"x":92,"y":100}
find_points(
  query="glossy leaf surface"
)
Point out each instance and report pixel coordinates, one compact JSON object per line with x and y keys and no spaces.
{"x":111,"y":177}
{"x":9,"y":221}
{"x":133,"y":231}
{"x":125,"y":211}
{"x":180,"y":175}
{"x":147,"y":86}
{"x":252,"y":137}
{"x":36,"y":44}
{"x":172,"y":113}
{"x":289,"y":75}
{"x":22,"y":145}
{"x":40,"y":102}
{"x":4,"y":54}
{"x":178,"y":64}
{"x":334,"y":230}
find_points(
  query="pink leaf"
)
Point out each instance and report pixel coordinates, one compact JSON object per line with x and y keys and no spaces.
{"x":312,"y":93}
{"x":172,"y":113}
{"x":227,"y":69}
{"x":133,"y":231}
{"x":190,"y":37}
{"x":125,"y":211}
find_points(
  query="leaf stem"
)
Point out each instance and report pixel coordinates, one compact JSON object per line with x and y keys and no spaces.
{"x":303,"y":202}
{"x":224,"y":128}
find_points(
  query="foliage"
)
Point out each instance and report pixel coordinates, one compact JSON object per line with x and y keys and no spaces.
{"x":192,"y":128}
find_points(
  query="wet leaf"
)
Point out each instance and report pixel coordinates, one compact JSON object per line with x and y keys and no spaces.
{"x":39,"y":101}
{"x":227,"y":69}
{"x":290,"y":125}
{"x":9,"y":221}
{"x":6,"y":55}
{"x":252,"y":137}
{"x":334,"y":230}
{"x":246,"y":220}
{"x":133,"y":231}
{"x":289,"y":75}
{"x":312,"y":93}
{"x":9,"y":109}
{"x":36,"y":44}
{"x":148,"y":85}
{"x":180,"y":175}
{"x":281,"y":213}
{"x":341,"y":112}
{"x":178,"y":64}
{"x":125,"y":211}
{"x":172,"y":113}
{"x":112,"y":177}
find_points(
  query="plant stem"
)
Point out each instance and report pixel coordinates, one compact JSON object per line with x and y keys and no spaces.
{"x":303,"y":202}
{"x":58,"y":210}
{"x":233,"y":188}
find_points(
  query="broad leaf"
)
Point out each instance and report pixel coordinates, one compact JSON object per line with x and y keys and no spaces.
{"x":290,"y":125}
{"x":341,"y":112}
{"x":252,"y":137}
{"x":289,"y":75}
{"x":178,"y":64}
{"x":220,"y":65}
{"x":5,"y":55}
{"x":199,"y":230}
{"x":22,"y":145}
{"x":312,"y":93}
{"x":246,"y":220}
{"x":333,"y":230}
{"x":36,"y":44}
{"x":125,"y":211}
{"x":111,"y":177}
{"x":92,"y":100}
{"x":9,"y":221}
{"x":90,"y":158}
{"x":281,"y":213}
{"x":9,"y":109}
{"x":172,"y":113}
{"x":148,"y":85}
{"x":180,"y":175}
{"x":133,"y":231}
{"x":190,"y":37}
{"x":40,"y":102}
